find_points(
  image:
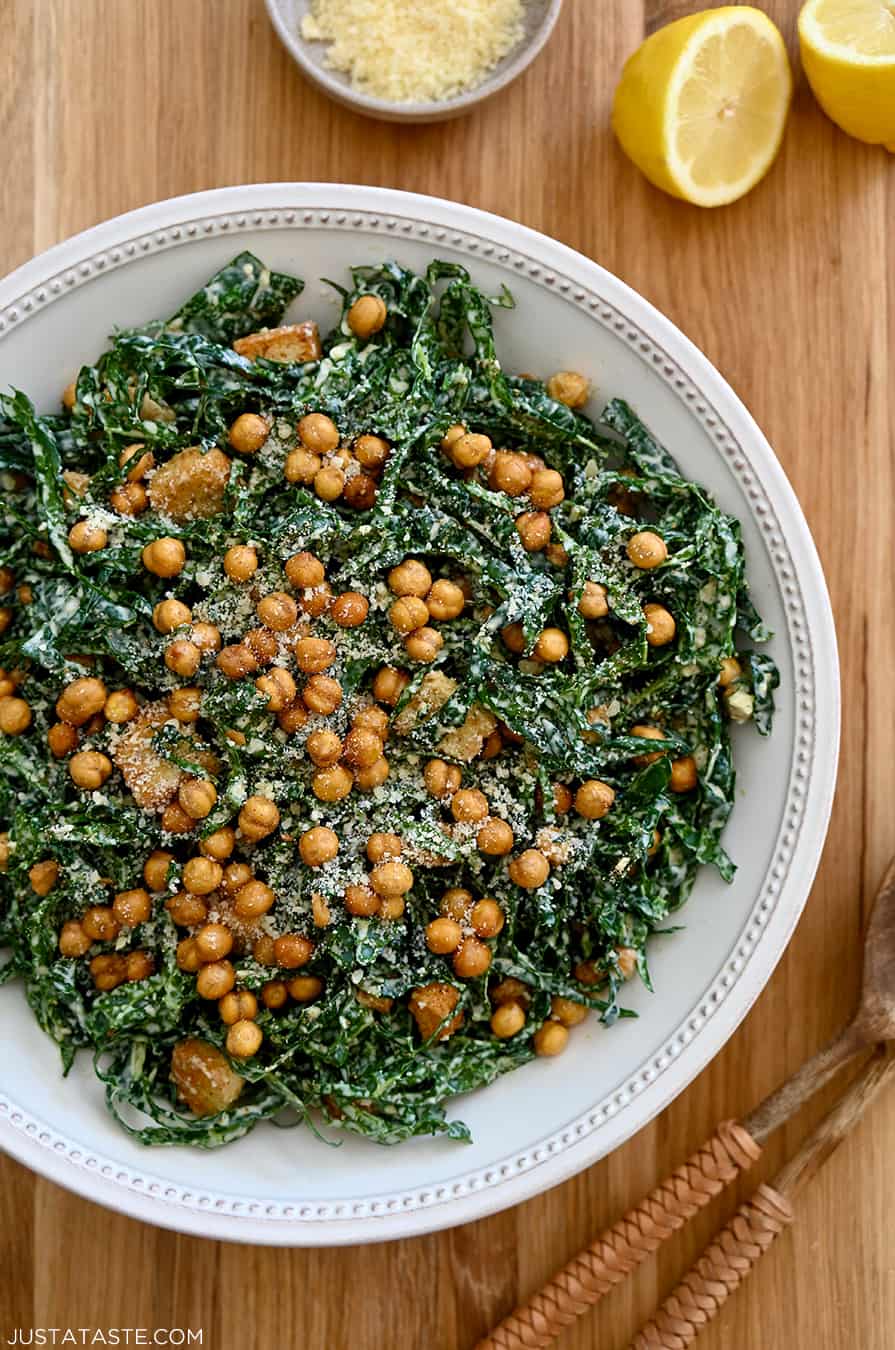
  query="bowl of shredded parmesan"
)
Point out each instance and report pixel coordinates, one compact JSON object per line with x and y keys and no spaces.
{"x":413,"y":60}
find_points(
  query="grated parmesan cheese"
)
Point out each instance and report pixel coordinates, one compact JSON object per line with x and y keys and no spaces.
{"x":407,"y":52}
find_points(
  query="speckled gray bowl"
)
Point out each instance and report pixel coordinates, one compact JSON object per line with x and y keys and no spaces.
{"x":286,"y":17}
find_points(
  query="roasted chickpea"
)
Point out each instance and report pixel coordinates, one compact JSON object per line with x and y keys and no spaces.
{"x":186,"y":910}
{"x":646,"y":550}
{"x":176,"y":821}
{"x":360,"y":492}
{"x":627,"y":961}
{"x":73,"y":941}
{"x":240,"y":562}
{"x":408,"y":613}
{"x":89,"y":769}
{"x":487,"y":918}
{"x":547,"y":489}
{"x":317,"y":600}
{"x":182,"y":657}
{"x":495,"y":838}
{"x":552,"y":646}
{"x":410,"y":577}
{"x":568,"y":387}
{"x":318,"y":845}
{"x":236,"y":875}
{"x":184,"y":703}
{"x":530,"y":870}
{"x":6,"y":617}
{"x":507,"y":1020}
{"x":129,"y":499}
{"x":509,"y":473}
{"x":452,"y":435}
{"x":214,"y":941}
{"x":493,"y":745}
{"x":5,"y":850}
{"x":647,"y":733}
{"x":534,"y":529}
{"x":219,"y":845}
{"x":441,"y":779}
{"x":456,"y":903}
{"x":201,"y":876}
{"x":332,"y":784}
{"x":313,"y":655}
{"x":187,"y":957}
{"x":262,"y":950}
{"x":215,"y":979}
{"x":371,"y":452}
{"x":155,"y":870}
{"x":322,"y":694}
{"x":372,"y":719}
{"x":350,"y":609}
{"x":445,"y":600}
{"x":253,"y":899}
{"x":424,"y":644}
{"x":15,"y":715}
{"x":372,"y":777}
{"x":292,"y":950}
{"x":562,"y":799}
{"x":470,"y":449}
{"x":248,"y":433}
{"x":471,"y":959}
{"x":513,"y":638}
{"x":593,"y":799}
{"x":197,"y":796}
{"x":731,"y":670}
{"x":661,"y":627}
{"x":391,"y":878}
{"x":329,"y":483}
{"x":274,"y":994}
{"x":305,"y":988}
{"x":384,"y":845}
{"x":278,"y":611}
{"x":61,"y":739}
{"x":319,"y":433}
{"x":164,"y":557}
{"x":361,"y":901}
{"x":594,"y":602}
{"x":443,"y":936}
{"x":389,"y":684}
{"x":138,"y":966}
{"x":206,"y":636}
{"x":324,"y":747}
{"x":263,"y":644}
{"x":244,"y":1038}
{"x":684,"y":775}
{"x":43,"y":876}
{"x":304,"y":570}
{"x":469,"y":804}
{"x":100,"y":924}
{"x":367,"y":316}
{"x":108,"y":972}
{"x":132,"y":907}
{"x":301,"y":465}
{"x":237,"y":1007}
{"x":140,"y":463}
{"x":362,"y":748}
{"x":120,"y":706}
{"x":258,"y":818}
{"x":236,"y":661}
{"x":86,"y":538}
{"x":551,"y":1039}
{"x":81,"y":700}
{"x":567,"y":1011}
{"x":278,"y":687}
{"x":556,"y":555}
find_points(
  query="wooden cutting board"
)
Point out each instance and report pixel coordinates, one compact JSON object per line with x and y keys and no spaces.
{"x":108,"y":104}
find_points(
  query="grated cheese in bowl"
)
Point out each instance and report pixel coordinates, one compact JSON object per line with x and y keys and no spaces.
{"x":404,"y":51}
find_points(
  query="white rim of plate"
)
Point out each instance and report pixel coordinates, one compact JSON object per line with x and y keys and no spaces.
{"x":661,"y":346}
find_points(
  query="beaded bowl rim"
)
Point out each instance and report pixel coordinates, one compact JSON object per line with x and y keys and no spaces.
{"x":146,"y":1194}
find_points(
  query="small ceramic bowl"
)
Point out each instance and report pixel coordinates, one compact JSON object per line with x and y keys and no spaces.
{"x":286,"y":17}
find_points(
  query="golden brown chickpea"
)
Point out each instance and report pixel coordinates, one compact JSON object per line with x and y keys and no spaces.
{"x":313,"y":655}
{"x":487,"y":918}
{"x":373,"y":777}
{"x":627,"y":961}
{"x":371,"y":452}
{"x":324,"y":747}
{"x":507,"y":1020}
{"x":731,"y":670}
{"x":81,"y":700}
{"x":238,"y":1007}
{"x":661,"y":627}
{"x":470,"y":449}
{"x":182,"y":657}
{"x":495,"y":838}
{"x":164,"y":557}
{"x":253,"y":899}
{"x":305,"y":988}
{"x":551,"y":1039}
{"x":43,"y":876}
{"x":278,"y":611}
{"x":318,"y":845}
{"x":322,"y":694}
{"x":132,"y":907}
{"x":215,"y":979}
{"x":647,"y":733}
{"x":594,"y":602}
{"x":568,"y":387}
{"x":278,"y":687}
{"x":530,"y":870}
{"x":547,"y":489}
{"x":646,"y":550}
{"x":61,"y":739}
{"x":214,"y":941}
{"x":456,"y":903}
{"x":332,"y":784}
{"x":534,"y":529}
{"x":471,"y":959}
{"x":5,"y":851}
{"x":244,"y":1038}
{"x":236,"y":875}
{"x":197,"y":796}
{"x":381,"y":845}
{"x":155,"y":869}
{"x":329,"y":483}
{"x":410,"y":577}
{"x":258,"y":818}
{"x":452,"y":435}
{"x":445,"y":601}
{"x":187,"y":957}
{"x":201,"y":876}
{"x":120,"y":706}
{"x":240,"y":562}
{"x":593,"y":799}
{"x":236,"y":661}
{"x":15,"y":715}
{"x":248,"y":433}
{"x":108,"y":972}
{"x":684,"y":775}
{"x":184,"y":703}
{"x":293,"y":718}
{"x":176,"y":821}
{"x":6,"y":617}
{"x":556,"y":555}
{"x":7,"y":580}
{"x":372,"y":719}
{"x":493,"y":745}
{"x":441,"y":779}
{"x":100,"y":924}
{"x":73,"y":941}
{"x":274,"y":994}
{"x":509,"y":473}
{"x":219,"y":845}
{"x":262,"y":950}
{"x":319,"y":433}
{"x":361,"y":901}
{"x":469,"y":804}
{"x":567,"y":1011}
{"x":129,"y":499}
{"x":186,"y":910}
{"x":69,"y":395}
{"x":362,"y":748}
{"x":513,"y":638}
{"x":392,"y":907}
{"x":391,"y":878}
{"x":562,"y":799}
{"x":443,"y":936}
{"x":263,"y":644}
{"x":350,"y":609}
{"x":86,"y":538}
{"x":301,"y":466}
{"x":424,"y":644}
{"x":408,"y":613}
{"x":206,"y":636}
{"x":389,"y":684}
{"x":360,"y":492}
{"x":138,"y":966}
{"x":367,"y":316}
{"x":304,"y":570}
{"x":552,"y":646}
{"x":317,"y":601}
{"x":292,"y":950}
{"x":140,"y":464}
{"x":89,"y":769}
{"x":655,"y":845}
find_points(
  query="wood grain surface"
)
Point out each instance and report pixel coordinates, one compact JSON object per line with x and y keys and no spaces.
{"x":109,"y":104}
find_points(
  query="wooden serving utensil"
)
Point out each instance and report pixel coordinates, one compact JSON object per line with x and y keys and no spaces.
{"x":608,"y":1260}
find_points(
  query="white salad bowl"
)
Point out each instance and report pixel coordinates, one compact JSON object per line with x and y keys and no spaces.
{"x":548,"y":1120}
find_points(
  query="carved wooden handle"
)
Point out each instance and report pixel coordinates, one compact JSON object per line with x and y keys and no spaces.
{"x":616,"y":1252}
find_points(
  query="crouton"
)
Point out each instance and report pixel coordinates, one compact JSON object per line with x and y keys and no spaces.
{"x":153,"y":781}
{"x":467,"y":741}
{"x":203,"y":1077}
{"x":293,"y":342}
{"x":431,"y":1004}
{"x":190,"y":485}
{"x":433,"y":693}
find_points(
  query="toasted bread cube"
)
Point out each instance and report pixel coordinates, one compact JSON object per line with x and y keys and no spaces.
{"x":203,"y":1077}
{"x":190,"y":485}
{"x":431,"y":1004}
{"x":292,"y":342}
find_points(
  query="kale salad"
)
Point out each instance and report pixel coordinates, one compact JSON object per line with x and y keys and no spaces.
{"x":364,"y":708}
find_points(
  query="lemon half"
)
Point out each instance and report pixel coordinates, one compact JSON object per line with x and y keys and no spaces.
{"x":702,"y":103}
{"x":848,"y":53}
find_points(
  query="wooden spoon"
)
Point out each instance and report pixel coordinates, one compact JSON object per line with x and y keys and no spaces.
{"x":607,"y":1261}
